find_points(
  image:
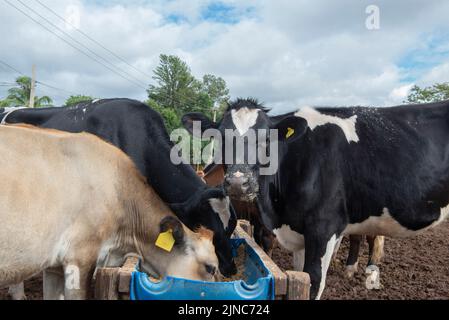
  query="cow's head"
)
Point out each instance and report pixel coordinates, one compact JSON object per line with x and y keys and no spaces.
{"x":192,"y":256}
{"x":212,"y":209}
{"x":243,"y":117}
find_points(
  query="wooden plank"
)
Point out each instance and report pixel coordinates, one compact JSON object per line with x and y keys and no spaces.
{"x":125,"y":273}
{"x":246,"y":226}
{"x":298,"y":285}
{"x":106,"y":284}
{"x":280,"y":278}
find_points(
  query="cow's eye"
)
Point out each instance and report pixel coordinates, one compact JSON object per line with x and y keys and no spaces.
{"x":210,"y":269}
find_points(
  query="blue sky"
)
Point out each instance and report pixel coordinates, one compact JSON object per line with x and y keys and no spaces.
{"x":433,"y":49}
{"x":286,"y":53}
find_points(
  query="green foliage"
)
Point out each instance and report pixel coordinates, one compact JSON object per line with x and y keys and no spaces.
{"x":171,"y":119}
{"x":176,"y":87}
{"x":177,"y":92}
{"x":19,"y":96}
{"x":215,"y":87}
{"x":437,"y":92}
{"x":4,"y":103}
{"x":74,"y":100}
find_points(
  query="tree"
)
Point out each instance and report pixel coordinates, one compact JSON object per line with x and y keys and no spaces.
{"x":3,"y":103}
{"x":437,"y":92}
{"x":176,"y":87}
{"x":177,"y":92}
{"x":74,"y":100}
{"x":215,"y":87}
{"x":20,"y":96}
{"x":171,"y":119}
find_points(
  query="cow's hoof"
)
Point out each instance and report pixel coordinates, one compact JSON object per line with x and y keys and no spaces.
{"x":351,"y":270}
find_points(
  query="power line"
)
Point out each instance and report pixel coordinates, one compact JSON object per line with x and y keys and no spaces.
{"x":40,"y":82}
{"x":78,"y":42}
{"x":55,"y":88}
{"x":91,"y":39}
{"x":11,"y":67}
{"x":73,"y":46}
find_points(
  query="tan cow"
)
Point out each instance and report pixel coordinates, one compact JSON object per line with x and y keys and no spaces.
{"x":70,"y":202}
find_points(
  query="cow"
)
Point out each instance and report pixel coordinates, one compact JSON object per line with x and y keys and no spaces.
{"x":344,"y":171}
{"x":248,"y":209}
{"x":71,"y":202}
{"x":140,"y":132}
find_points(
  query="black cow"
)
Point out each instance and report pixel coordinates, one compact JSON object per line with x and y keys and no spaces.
{"x":375,"y":171}
{"x":140,"y":132}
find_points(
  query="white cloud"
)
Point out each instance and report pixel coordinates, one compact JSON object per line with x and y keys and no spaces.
{"x":286,"y":53}
{"x":439,"y":73}
{"x":399,"y":94}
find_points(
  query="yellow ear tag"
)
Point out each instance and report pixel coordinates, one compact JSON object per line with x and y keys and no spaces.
{"x":290,"y":132}
{"x":165,"y":240}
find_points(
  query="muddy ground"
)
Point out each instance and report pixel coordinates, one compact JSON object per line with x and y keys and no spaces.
{"x":414,"y":268}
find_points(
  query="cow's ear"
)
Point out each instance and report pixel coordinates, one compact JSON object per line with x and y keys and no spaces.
{"x":291,"y":128}
{"x":211,"y":193}
{"x":173,"y":224}
{"x":189,"y":118}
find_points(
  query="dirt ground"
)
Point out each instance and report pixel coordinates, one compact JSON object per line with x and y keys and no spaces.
{"x":413,"y":268}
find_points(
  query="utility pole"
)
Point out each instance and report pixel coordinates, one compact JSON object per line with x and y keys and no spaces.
{"x":211,"y":156}
{"x":33,"y":86}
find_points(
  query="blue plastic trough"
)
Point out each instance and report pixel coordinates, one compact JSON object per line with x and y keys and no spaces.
{"x":259,"y":284}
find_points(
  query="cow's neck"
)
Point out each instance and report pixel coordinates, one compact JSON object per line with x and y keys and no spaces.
{"x":269,"y":200}
{"x":171,"y":181}
{"x":139,"y":224}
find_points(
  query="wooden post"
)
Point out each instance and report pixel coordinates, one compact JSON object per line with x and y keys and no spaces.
{"x":106,"y":284}
{"x":298,"y":285}
{"x":33,"y":86}
{"x":114,"y":283}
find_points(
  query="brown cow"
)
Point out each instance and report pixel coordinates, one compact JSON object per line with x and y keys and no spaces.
{"x":71,"y":202}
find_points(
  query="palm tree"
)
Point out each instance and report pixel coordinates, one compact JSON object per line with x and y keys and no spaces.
{"x":20,"y":96}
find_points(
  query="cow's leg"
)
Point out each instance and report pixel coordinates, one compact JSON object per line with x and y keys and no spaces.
{"x":268,"y":241}
{"x":319,"y":249}
{"x":376,"y":249}
{"x":54,"y":284}
{"x":376,"y":252}
{"x":352,"y":262}
{"x":17,"y":292}
{"x":337,"y":247}
{"x":263,"y":236}
{"x":298,"y":260}
{"x":77,"y":281}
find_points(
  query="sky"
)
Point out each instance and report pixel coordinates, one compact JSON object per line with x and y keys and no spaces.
{"x":285,"y":53}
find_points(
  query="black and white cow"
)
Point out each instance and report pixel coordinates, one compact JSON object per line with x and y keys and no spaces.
{"x":373,"y":171}
{"x":140,"y":132}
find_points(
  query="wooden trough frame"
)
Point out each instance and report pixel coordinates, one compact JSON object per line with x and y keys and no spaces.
{"x":114,"y":283}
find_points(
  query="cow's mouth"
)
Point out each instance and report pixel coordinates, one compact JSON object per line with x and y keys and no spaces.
{"x":248,"y":197}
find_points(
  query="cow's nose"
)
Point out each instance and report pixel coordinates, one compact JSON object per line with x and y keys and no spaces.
{"x":236,"y":184}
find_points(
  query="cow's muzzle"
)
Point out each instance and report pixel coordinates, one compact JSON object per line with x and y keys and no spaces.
{"x":240,"y":186}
